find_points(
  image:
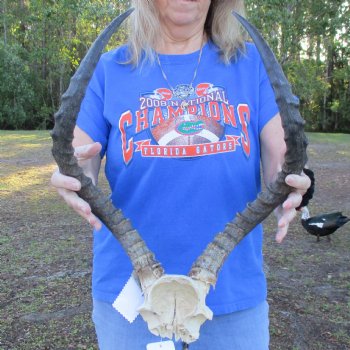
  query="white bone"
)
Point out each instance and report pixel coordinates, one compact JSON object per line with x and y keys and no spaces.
{"x":175,"y":306}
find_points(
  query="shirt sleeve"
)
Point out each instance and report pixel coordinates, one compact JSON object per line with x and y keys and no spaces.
{"x":267,"y":103}
{"x":91,"y":117}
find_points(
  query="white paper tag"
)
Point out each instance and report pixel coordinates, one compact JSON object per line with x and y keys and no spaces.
{"x":163,"y":345}
{"x":129,"y":300}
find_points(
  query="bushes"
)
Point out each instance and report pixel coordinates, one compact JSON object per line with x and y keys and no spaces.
{"x":47,"y":39}
{"x":45,"y":42}
{"x":16,"y":91}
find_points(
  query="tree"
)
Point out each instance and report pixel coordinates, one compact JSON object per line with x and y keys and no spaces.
{"x":15,"y":89}
{"x":310,"y":38}
{"x":53,"y":37}
{"x":311,"y":41}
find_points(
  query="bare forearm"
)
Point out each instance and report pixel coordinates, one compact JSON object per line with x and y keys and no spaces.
{"x":87,"y":153}
{"x":273,"y":149}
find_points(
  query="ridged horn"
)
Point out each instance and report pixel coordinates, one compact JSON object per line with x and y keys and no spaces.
{"x":143,"y":260}
{"x":207,"y":266}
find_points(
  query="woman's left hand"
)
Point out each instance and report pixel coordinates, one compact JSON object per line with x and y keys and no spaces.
{"x":286,"y":212}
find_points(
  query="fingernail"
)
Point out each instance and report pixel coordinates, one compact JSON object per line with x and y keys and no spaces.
{"x":289,"y":179}
{"x":279,"y":237}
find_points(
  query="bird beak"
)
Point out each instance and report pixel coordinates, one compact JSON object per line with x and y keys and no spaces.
{"x":305,"y":213}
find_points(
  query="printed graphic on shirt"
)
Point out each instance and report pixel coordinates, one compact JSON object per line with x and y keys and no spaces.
{"x":186,"y":122}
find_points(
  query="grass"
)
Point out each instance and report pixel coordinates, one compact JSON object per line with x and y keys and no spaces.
{"x":45,"y":257}
{"x":316,"y":137}
{"x":45,"y":253}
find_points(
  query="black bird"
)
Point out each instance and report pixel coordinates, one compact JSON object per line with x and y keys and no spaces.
{"x":324,"y":224}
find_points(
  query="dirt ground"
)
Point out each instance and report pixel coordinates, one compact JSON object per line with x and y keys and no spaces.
{"x":45,"y":257}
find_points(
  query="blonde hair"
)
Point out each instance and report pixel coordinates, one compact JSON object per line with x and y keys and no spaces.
{"x":221,"y":27}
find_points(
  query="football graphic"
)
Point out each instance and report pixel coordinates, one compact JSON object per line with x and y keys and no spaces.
{"x":187,"y":129}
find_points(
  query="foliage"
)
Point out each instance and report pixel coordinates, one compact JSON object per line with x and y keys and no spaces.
{"x":307,"y":80}
{"x":52,"y":36}
{"x":311,"y":40}
{"x":46,"y":39}
{"x":16,"y":90}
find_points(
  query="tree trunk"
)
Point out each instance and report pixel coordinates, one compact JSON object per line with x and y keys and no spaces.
{"x":61,"y":79}
{"x":22,"y":25}
{"x":328,"y":97}
{"x":4,"y":14}
{"x":43,"y":46}
{"x":318,"y":49}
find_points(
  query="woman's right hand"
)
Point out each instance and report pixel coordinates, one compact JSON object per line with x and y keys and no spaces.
{"x":66,"y":186}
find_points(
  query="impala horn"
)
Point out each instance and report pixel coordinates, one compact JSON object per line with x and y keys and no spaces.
{"x":176,"y":304}
{"x":207,"y":266}
{"x":148,"y":269}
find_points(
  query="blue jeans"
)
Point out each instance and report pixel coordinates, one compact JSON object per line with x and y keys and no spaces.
{"x":242,"y":330}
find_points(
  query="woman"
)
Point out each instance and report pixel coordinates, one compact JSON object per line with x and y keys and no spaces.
{"x":182,"y":113}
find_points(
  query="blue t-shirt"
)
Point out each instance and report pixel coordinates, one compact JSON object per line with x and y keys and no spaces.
{"x":181,"y":167}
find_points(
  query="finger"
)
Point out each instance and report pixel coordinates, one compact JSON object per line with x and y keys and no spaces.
{"x":59,"y":180}
{"x":87,"y":151}
{"x":283,"y":224}
{"x":94,"y":222}
{"x":74,"y":201}
{"x":293,"y":200}
{"x":300,"y":182}
{"x":286,"y":218}
{"x":281,"y":233}
{"x":80,"y":206}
